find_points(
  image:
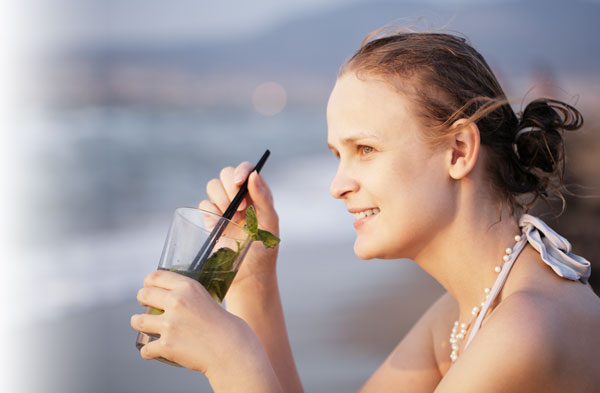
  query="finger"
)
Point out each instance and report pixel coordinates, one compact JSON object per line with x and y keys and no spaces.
{"x":238,"y":216}
{"x":263,"y":201}
{"x":153,"y":349}
{"x":153,"y":297}
{"x":217,"y":195}
{"x":231,"y":187}
{"x":241,"y":173}
{"x":210,"y":220}
{"x":166,"y":280}
{"x":209,"y":206}
{"x":146,"y":323}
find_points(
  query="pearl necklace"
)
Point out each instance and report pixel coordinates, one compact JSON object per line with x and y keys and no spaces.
{"x":456,"y":336}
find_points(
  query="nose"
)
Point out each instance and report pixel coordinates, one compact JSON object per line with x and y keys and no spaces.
{"x":342,"y":184}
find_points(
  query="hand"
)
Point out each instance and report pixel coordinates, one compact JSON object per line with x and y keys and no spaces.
{"x":259,"y":261}
{"x":194,"y":330}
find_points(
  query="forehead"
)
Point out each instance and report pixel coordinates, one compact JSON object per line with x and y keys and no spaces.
{"x":366,"y":105}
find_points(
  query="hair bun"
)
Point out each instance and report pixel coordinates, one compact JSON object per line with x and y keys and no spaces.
{"x":538,"y":139}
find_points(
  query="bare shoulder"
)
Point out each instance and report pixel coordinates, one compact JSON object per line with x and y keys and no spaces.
{"x":535,"y":341}
{"x":413,"y":364}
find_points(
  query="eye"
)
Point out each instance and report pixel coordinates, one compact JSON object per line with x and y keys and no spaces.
{"x":364,"y":150}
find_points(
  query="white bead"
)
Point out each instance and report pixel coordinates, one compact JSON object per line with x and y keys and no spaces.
{"x":506,"y":258}
{"x":475,"y":310}
{"x":482,"y":304}
{"x":487,"y":290}
{"x":463,"y":325}
{"x":518,"y":238}
{"x":508,"y":251}
{"x":455,"y":323}
{"x":455,"y":346}
{"x":460,"y":336}
{"x":497,"y":269}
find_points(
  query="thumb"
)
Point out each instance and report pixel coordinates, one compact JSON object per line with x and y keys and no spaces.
{"x":263,"y":202}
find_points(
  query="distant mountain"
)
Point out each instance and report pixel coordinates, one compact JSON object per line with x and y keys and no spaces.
{"x":512,"y":35}
{"x":528,"y":43}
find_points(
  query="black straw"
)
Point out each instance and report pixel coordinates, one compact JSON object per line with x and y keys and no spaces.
{"x":215,"y":234}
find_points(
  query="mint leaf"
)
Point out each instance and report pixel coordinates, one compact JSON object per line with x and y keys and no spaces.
{"x":222,"y":259}
{"x":251,"y":226}
{"x":267,"y":238}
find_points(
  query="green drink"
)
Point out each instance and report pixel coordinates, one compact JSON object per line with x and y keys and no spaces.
{"x":216,"y":282}
{"x":188,"y":234}
{"x":189,"y":231}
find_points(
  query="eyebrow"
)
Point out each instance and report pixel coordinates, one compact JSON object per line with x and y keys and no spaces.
{"x":359,"y":135}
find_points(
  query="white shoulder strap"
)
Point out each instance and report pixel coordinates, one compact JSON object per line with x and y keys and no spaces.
{"x":496,"y":288}
{"x":555,"y":251}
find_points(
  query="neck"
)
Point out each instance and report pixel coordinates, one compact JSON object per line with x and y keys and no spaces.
{"x":462,"y":256}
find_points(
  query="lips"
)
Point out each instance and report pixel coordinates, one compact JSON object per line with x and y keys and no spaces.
{"x":363,"y":216}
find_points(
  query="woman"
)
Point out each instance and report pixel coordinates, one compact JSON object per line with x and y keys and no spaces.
{"x":435,"y":166}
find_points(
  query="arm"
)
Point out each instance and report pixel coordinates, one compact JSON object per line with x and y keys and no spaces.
{"x":254,"y":294}
{"x":258,"y":303}
{"x":413,"y":365}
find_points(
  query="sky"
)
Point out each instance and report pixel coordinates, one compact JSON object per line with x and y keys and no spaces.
{"x":137,"y":20}
{"x":140,"y":21}
{"x":143,"y":21}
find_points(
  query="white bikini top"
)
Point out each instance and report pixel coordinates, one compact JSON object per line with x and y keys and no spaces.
{"x":555,"y":251}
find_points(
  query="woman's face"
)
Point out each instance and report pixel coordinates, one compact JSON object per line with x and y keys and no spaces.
{"x":396,"y":186}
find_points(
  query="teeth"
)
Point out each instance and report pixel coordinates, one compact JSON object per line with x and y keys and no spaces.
{"x":366,"y":213}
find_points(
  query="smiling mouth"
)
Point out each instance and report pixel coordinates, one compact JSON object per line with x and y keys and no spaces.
{"x":366,"y":213}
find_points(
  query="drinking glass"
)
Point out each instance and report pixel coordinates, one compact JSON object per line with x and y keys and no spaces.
{"x":206,"y":247}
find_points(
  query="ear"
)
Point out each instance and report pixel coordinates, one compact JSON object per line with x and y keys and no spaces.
{"x":464,"y":148}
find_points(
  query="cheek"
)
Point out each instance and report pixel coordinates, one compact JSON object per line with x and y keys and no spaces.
{"x":417,"y":205}
{"x":410,"y":186}
{"x":422,"y":199}
{"x":416,"y":199}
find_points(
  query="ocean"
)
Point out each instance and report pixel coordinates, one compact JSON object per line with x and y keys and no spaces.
{"x":104,"y":183}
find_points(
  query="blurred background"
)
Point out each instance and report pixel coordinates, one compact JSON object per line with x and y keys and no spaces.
{"x":115,"y":112}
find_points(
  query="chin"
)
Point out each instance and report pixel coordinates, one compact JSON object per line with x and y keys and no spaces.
{"x":365,"y":251}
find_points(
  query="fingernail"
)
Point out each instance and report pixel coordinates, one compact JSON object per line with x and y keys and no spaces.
{"x":239,"y":177}
{"x":259,"y":181}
